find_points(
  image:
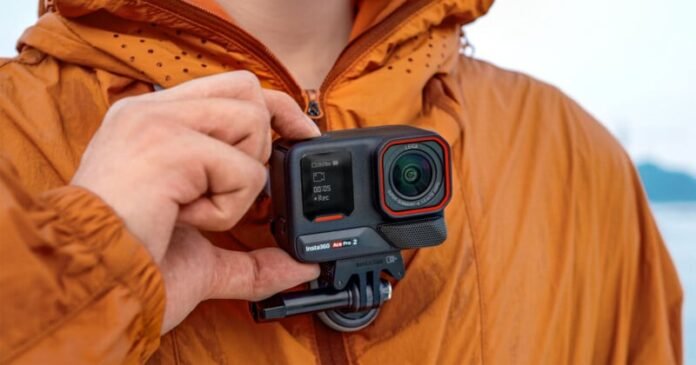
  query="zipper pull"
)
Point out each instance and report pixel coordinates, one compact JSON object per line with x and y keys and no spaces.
{"x":313,"y":109}
{"x":49,"y":6}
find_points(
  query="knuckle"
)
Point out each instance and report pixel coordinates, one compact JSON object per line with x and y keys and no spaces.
{"x":242,"y":122}
{"x":257,"y":176}
{"x":215,"y":276}
{"x":254,"y":118}
{"x":284,"y":98}
{"x":260,"y":114}
{"x":153,"y":126}
{"x":122,"y":106}
{"x":247,"y":79}
{"x":125,"y":112}
{"x":267,"y":149}
{"x":226,"y":219}
{"x":255,"y":278}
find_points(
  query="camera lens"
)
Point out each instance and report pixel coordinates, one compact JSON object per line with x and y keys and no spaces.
{"x":412,"y":174}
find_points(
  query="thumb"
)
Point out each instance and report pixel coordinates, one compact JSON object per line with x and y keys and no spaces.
{"x":257,"y":274}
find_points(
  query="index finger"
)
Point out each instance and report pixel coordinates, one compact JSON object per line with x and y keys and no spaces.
{"x":242,"y":85}
{"x":288,"y":119}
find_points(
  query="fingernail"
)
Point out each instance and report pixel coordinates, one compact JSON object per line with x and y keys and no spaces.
{"x":314,"y":126}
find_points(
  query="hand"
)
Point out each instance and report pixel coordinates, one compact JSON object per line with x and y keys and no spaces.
{"x":194,"y":155}
{"x":194,"y":270}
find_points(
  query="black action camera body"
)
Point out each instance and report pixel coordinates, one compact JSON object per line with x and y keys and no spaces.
{"x":351,"y":200}
{"x":343,"y":195}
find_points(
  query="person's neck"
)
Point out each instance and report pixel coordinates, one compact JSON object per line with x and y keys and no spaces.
{"x":306,"y":35}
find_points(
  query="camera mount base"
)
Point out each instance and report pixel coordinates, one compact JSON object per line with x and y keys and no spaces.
{"x":347,"y":295}
{"x":342,"y":321}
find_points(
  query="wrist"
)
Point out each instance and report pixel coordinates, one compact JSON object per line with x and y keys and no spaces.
{"x":148,"y":218}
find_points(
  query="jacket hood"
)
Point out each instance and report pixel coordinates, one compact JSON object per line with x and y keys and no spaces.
{"x":370,"y":11}
{"x":110,"y":34}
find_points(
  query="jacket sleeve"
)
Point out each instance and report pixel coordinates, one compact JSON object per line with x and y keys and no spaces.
{"x":76,"y":287}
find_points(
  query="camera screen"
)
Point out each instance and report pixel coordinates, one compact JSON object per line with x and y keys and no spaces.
{"x":327,"y":184}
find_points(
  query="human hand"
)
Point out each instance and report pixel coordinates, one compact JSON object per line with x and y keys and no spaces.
{"x":194,"y":270}
{"x":194,"y":155}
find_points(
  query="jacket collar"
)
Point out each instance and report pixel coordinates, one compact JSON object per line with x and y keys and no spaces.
{"x":94,"y":34}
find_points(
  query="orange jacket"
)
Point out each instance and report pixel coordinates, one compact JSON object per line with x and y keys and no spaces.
{"x":553,"y":255}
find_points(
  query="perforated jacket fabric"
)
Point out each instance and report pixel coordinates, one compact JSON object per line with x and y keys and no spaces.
{"x":552,"y":256}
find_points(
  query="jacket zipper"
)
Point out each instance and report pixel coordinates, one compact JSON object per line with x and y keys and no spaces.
{"x":233,"y":33}
{"x":313,"y":108}
{"x":356,"y":48}
{"x":330,"y":344}
{"x":49,"y":6}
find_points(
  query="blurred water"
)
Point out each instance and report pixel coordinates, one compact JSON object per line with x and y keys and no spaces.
{"x":677,"y":223}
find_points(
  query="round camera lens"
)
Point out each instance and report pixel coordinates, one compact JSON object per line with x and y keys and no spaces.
{"x":412,"y":174}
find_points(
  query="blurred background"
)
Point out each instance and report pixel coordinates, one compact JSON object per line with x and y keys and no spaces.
{"x":631,"y":63}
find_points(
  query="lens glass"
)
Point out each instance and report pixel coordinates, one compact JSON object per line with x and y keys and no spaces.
{"x":412,"y":174}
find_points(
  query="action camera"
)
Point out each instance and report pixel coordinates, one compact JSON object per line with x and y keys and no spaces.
{"x":351,"y":200}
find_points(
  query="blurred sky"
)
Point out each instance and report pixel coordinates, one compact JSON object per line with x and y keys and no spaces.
{"x":631,"y":63}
